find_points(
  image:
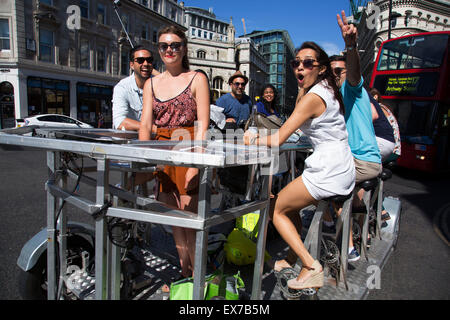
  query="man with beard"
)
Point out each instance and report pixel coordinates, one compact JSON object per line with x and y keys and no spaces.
{"x":127,"y":96}
{"x":236,"y":104}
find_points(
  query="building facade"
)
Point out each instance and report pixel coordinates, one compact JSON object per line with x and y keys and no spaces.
{"x":214,"y":49}
{"x":65,"y":56}
{"x":278,"y":50}
{"x":408,"y":17}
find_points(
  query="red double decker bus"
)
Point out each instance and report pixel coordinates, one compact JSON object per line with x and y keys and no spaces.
{"x":412,"y":74}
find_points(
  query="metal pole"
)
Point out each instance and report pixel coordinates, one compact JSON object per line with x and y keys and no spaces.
{"x":116,"y":8}
{"x":390,"y":21}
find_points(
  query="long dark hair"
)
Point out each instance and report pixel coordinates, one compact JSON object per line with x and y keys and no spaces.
{"x":268,"y":105}
{"x":172,"y":29}
{"x":324,"y":60}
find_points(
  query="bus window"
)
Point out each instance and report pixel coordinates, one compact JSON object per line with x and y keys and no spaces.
{"x":413,"y":53}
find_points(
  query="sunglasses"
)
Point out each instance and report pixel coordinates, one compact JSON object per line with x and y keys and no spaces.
{"x":239,"y":84}
{"x":175,"y":46}
{"x":141,"y":60}
{"x":338,"y":71}
{"x":307,"y":63}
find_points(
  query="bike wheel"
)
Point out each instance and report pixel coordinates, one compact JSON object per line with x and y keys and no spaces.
{"x":33,"y":283}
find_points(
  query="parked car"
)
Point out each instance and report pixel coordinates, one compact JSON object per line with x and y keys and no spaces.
{"x":52,"y":120}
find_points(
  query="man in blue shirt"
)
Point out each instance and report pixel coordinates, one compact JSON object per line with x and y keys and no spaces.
{"x":358,"y":113}
{"x":127,"y":94}
{"x":236,"y":104}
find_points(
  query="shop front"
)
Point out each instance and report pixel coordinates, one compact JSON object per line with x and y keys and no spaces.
{"x":7,"y":114}
{"x":94,"y":104}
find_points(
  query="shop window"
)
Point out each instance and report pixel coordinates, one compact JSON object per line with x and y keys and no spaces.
{"x":7,"y":110}
{"x":48,"y":96}
{"x":94,"y":100}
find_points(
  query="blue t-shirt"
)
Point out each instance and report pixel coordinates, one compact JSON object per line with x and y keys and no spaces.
{"x":260,"y":108}
{"x":239,"y":110}
{"x":358,"y":119}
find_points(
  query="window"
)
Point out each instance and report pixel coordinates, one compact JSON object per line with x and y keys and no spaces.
{"x":218,"y":83}
{"x":144,"y":3}
{"x":46,"y":45}
{"x":101,"y":59}
{"x":193,"y":32}
{"x":156,"y":4}
{"x":101,"y":13}
{"x":125,"y":21}
{"x":144,"y":31}
{"x":84,"y":54}
{"x":201,"y":54}
{"x":124,"y":65}
{"x":49,"y":2}
{"x":4,"y":35}
{"x":155,"y":36}
{"x":199,"y":33}
{"x":84,"y":8}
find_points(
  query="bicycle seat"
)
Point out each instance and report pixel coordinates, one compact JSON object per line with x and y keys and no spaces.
{"x":369,"y":185}
{"x":339,"y":198}
{"x":386,"y":174}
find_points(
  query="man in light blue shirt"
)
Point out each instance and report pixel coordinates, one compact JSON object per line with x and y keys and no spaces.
{"x":127,"y":95}
{"x":358,"y":115}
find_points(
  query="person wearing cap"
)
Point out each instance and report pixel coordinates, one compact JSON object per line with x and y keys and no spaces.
{"x":236,"y":104}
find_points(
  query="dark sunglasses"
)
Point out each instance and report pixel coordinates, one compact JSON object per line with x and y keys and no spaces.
{"x":175,"y":46}
{"x":141,"y":60}
{"x":307,"y":63}
{"x":338,"y":71}
{"x":237,"y":84}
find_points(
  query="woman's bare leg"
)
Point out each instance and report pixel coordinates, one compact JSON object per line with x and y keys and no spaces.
{"x":292,"y":198}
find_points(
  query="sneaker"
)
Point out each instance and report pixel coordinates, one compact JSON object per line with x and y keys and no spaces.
{"x":353,"y":256}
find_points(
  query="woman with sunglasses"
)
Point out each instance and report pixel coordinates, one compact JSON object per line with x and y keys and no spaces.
{"x":328,"y":172}
{"x":174,"y":100}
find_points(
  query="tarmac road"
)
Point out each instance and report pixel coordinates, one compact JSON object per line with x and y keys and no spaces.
{"x":417,"y":269}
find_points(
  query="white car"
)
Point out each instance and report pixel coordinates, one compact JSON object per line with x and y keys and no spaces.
{"x":54,"y":120}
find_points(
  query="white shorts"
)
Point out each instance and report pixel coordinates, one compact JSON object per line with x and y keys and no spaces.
{"x":386,"y":148}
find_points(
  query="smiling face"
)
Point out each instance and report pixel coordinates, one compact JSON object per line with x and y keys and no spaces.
{"x":307,"y":75}
{"x":142,"y":70}
{"x":171,"y":49}
{"x":268,"y":94}
{"x":340,"y":71}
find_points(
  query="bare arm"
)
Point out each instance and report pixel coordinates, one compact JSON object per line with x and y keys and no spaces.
{"x":310,"y":106}
{"x":146,"y":124}
{"x":350,"y":36}
{"x":201,"y":94}
{"x":375,"y":115}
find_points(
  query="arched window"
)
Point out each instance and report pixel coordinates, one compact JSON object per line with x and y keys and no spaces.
{"x":218,"y":83}
{"x":201,"y":54}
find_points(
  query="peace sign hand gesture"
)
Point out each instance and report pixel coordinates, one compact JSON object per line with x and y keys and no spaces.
{"x":349,"y":31}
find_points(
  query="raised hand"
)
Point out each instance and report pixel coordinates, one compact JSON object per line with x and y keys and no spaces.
{"x":349,"y":31}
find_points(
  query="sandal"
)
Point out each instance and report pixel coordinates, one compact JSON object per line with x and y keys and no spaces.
{"x":314,"y":278}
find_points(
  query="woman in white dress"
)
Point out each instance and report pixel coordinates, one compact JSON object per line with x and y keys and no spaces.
{"x":328,"y":172}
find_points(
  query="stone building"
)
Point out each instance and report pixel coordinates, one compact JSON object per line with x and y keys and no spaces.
{"x":408,"y":17}
{"x":214,"y":48}
{"x":65,"y":56}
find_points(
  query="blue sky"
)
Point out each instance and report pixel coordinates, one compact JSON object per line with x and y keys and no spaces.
{"x":305,"y":20}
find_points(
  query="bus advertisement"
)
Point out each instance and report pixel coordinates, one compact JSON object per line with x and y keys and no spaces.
{"x":412,"y":74}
